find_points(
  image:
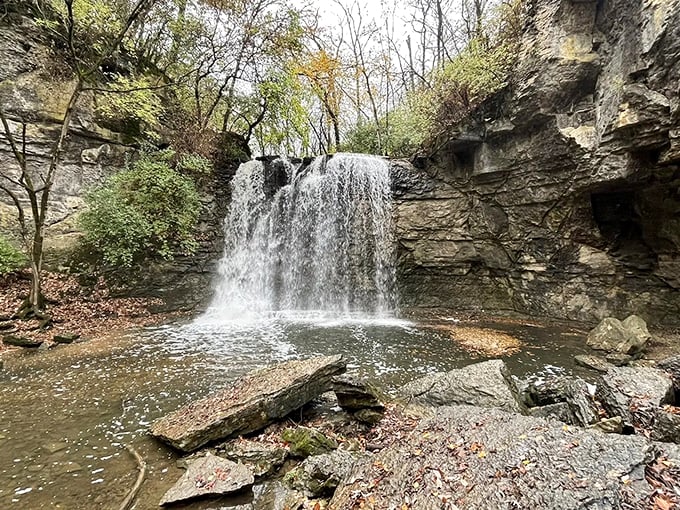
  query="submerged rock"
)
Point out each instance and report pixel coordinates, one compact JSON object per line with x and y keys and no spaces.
{"x":319,"y":475}
{"x":305,"y":441}
{"x":262,"y":458}
{"x":486,"y":384}
{"x":209,"y":476}
{"x":470,"y":458}
{"x":627,"y":337}
{"x":252,"y":402}
{"x":21,"y":341}
{"x":634,"y":393}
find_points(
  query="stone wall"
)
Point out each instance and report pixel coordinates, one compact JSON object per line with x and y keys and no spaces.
{"x":561,"y":196}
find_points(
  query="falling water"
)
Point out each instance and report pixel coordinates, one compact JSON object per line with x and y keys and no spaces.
{"x":322,"y":242}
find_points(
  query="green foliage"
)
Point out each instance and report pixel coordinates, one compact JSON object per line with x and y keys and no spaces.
{"x":453,"y":91}
{"x":402,"y":132}
{"x":131,"y":103}
{"x":194,"y":164}
{"x":146,"y":211}
{"x":94,"y":24}
{"x":11,"y":259}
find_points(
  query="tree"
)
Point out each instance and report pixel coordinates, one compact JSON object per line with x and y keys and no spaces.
{"x":33,"y":185}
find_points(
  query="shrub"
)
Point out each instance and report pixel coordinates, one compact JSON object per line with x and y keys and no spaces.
{"x":11,"y":259}
{"x":146,"y":211}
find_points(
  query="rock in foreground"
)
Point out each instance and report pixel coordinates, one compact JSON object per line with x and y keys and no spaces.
{"x":634,"y":393}
{"x":251,"y":403}
{"x":209,"y":476}
{"x":485,"y":384}
{"x":470,"y":458}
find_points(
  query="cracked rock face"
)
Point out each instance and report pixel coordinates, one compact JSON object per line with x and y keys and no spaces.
{"x":560,"y":197}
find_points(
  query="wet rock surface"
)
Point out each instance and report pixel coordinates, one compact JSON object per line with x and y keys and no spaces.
{"x":593,"y":362}
{"x":251,"y":403}
{"x":486,"y":458}
{"x":209,"y":476}
{"x":486,"y":384}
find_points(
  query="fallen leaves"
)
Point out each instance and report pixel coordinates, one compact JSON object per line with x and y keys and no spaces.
{"x":482,"y":341}
{"x":90,"y":311}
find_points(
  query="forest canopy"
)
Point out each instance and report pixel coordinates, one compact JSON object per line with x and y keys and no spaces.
{"x":282,"y":77}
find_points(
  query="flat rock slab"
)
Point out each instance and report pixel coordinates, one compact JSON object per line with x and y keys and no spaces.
{"x":250,"y":404}
{"x":471,"y":458}
{"x":485,"y":384}
{"x":209,"y":476}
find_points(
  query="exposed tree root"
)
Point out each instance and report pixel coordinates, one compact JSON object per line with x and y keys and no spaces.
{"x":141,"y":467}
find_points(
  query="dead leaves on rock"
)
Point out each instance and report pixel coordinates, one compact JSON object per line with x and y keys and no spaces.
{"x":664,"y":476}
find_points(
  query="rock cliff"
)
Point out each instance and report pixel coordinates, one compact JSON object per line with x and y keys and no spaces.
{"x":561,"y":195}
{"x":34,"y":89}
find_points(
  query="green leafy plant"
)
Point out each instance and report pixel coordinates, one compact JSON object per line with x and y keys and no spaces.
{"x":11,"y":259}
{"x":146,"y":211}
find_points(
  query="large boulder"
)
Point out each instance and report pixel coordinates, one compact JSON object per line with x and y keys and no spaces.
{"x":634,"y":393}
{"x":209,"y":476}
{"x":468,"y":458}
{"x":486,"y":384}
{"x":628,"y":337}
{"x":251,"y":403}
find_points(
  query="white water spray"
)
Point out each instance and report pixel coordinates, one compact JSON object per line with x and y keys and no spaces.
{"x":322,"y":243}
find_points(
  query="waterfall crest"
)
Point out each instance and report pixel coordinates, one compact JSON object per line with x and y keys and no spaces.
{"x":322,"y":242}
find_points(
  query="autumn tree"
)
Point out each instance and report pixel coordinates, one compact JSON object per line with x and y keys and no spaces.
{"x":90,"y":32}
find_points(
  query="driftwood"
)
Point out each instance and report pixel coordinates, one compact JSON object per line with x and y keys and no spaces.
{"x":132,"y":493}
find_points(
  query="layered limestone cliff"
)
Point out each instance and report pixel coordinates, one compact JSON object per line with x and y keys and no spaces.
{"x":35,"y":87}
{"x":561,"y":196}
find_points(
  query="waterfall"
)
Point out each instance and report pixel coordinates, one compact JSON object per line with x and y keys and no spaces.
{"x":323,"y":241}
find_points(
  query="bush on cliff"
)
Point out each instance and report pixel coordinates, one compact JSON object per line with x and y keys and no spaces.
{"x":148,"y":210}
